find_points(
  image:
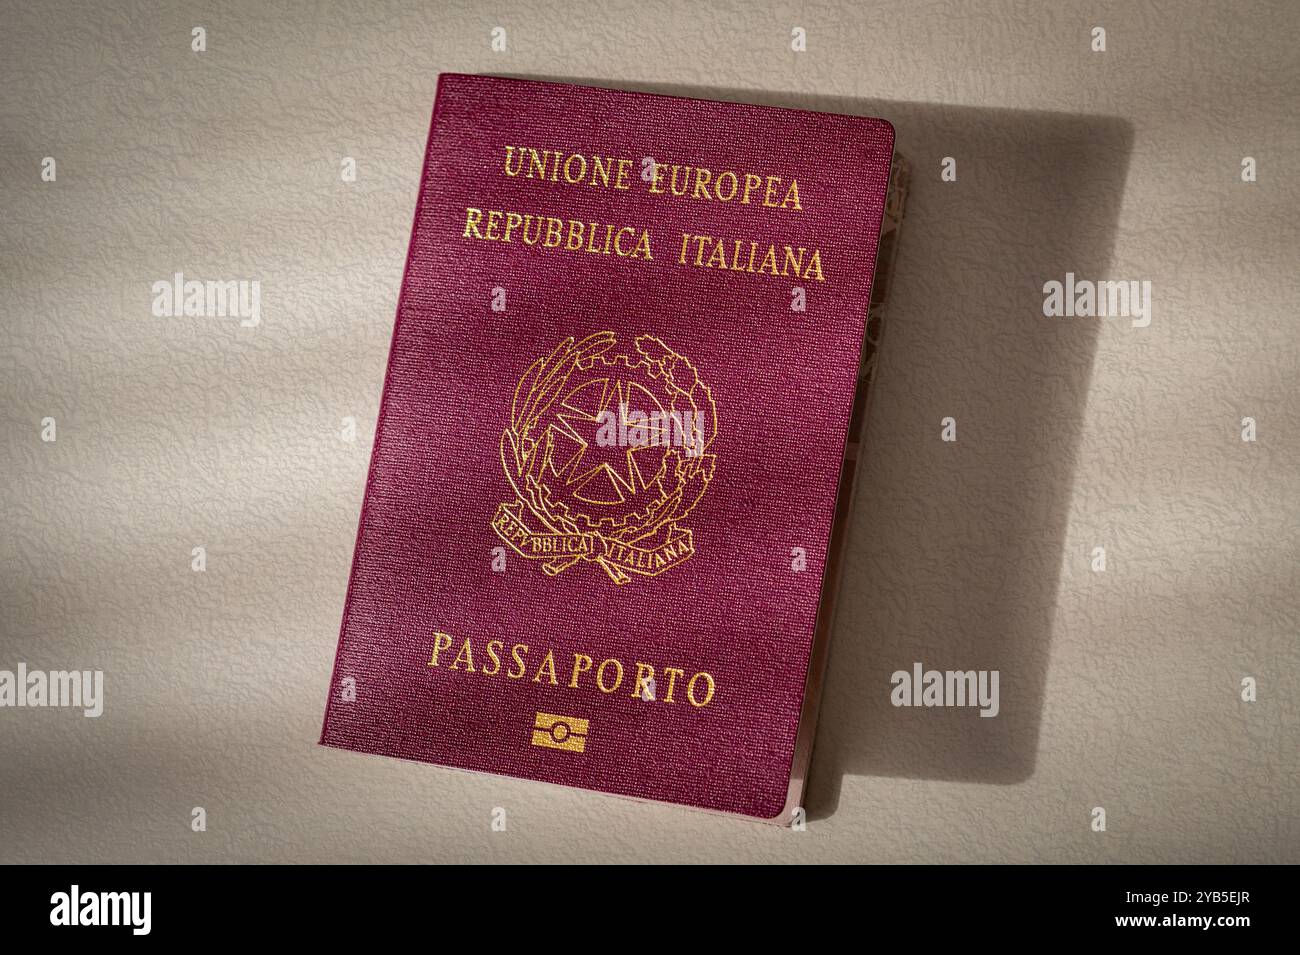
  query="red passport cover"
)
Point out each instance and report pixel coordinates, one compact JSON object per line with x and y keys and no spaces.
{"x":595,"y":532}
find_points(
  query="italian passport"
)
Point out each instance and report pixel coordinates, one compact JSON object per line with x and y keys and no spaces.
{"x":616,"y":444}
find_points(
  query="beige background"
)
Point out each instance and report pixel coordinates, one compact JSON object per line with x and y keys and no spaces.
{"x":1119,"y":689}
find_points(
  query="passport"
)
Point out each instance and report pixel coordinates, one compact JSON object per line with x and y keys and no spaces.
{"x":616,"y":444}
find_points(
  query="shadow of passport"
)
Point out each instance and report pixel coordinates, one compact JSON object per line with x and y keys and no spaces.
{"x":955,"y":550}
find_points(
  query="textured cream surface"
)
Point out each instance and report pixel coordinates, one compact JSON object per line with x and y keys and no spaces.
{"x":1118,"y":689}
